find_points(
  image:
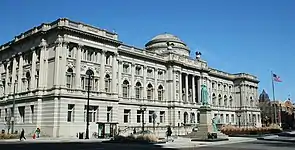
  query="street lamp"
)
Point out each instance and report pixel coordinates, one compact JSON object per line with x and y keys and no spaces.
{"x":142,"y":110}
{"x":89,"y":73}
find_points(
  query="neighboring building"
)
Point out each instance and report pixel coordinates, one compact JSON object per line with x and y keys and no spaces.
{"x":44,"y":69}
{"x":280,"y":112}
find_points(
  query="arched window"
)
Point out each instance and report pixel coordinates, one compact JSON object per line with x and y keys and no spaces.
{"x":138,"y":90}
{"x":150,"y":92}
{"x":193,"y":118}
{"x":251,"y":102}
{"x":125,"y":89}
{"x":230,"y":101}
{"x":213,"y":99}
{"x":160,"y":93}
{"x":185,"y":118}
{"x":28,"y":80}
{"x":225,"y":100}
{"x":70,"y":78}
{"x":107,"y":83}
{"x":219,"y":100}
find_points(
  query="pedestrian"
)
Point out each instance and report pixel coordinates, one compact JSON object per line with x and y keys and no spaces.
{"x":169,"y":133}
{"x":22,"y":135}
{"x":38,"y":132}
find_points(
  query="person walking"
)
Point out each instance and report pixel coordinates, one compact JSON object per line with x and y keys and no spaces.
{"x":22,"y":135}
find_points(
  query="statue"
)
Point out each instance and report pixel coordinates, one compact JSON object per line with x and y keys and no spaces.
{"x":204,"y":95}
{"x":214,"y":126}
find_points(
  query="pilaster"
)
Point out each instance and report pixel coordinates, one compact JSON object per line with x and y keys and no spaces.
{"x":119,"y":78}
{"x":102,"y":71}
{"x":156,"y":85}
{"x":78,"y":66}
{"x":199,"y":83}
{"x":63,"y":64}
{"x":20,"y":72}
{"x":42,"y":62}
{"x":132,"y":86}
{"x":33,"y":70}
{"x":57,"y":62}
{"x":7,"y":78}
{"x":144,"y":82}
{"x":114,"y":73}
{"x":13,"y":76}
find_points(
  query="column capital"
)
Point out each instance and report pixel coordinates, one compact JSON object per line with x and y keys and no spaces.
{"x":103,"y":51}
{"x":132,"y":64}
{"x":59,"y":40}
{"x":80,"y":45}
{"x":116,"y":54}
{"x":43,"y":43}
{"x":20,"y":53}
{"x":33,"y":49}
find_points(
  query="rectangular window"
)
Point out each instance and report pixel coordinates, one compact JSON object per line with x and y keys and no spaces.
{"x":109,"y":114}
{"x":127,"y":115}
{"x":151,"y":116}
{"x":96,"y":85}
{"x":160,"y":74}
{"x":93,"y":113}
{"x":137,"y":70}
{"x":71,"y":112}
{"x":227,"y":118}
{"x":232,"y":118}
{"x":138,"y":117}
{"x":150,"y":73}
{"x":221,"y":118}
{"x":162,"y":116}
{"x":32,"y":113}
{"x":83,"y":83}
{"x":125,"y":68}
{"x":178,"y":114}
{"x":21,"y":110}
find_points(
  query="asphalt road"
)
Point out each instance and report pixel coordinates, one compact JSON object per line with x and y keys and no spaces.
{"x":256,"y":145}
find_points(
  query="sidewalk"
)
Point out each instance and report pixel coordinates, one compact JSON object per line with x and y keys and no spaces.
{"x":51,"y":140}
{"x":187,"y":143}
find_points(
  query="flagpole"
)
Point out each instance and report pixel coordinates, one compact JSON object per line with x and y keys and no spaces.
{"x":273,"y":96}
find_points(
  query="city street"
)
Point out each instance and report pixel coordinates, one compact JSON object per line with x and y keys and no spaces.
{"x":254,"y":145}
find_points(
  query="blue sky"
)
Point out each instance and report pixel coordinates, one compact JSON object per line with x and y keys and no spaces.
{"x":253,"y":36}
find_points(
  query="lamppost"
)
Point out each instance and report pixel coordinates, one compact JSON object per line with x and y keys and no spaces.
{"x":89,"y":73}
{"x":142,"y":110}
{"x":13,"y":108}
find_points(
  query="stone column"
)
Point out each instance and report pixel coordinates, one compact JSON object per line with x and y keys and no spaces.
{"x":186,"y":88}
{"x":78,"y":66}
{"x":132,"y":84}
{"x":180,"y":87}
{"x":20,"y":72}
{"x":1,"y":86}
{"x":33,"y":70}
{"x":102,"y":71}
{"x":42,"y":71}
{"x":39,"y":113}
{"x":58,"y":48}
{"x":194,"y":89}
{"x":144,"y":82}
{"x":174,"y":88}
{"x":114,"y":73}
{"x":13,"y":76}
{"x":120,"y":78}
{"x":156,"y":85}
{"x":199,"y":83}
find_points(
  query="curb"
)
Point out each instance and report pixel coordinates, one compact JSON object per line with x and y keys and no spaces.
{"x":277,"y":140}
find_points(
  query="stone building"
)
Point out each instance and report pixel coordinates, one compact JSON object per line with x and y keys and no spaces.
{"x":277,"y":112}
{"x":43,"y":71}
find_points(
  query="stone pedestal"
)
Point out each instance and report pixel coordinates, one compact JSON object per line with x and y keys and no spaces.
{"x":205,"y":127}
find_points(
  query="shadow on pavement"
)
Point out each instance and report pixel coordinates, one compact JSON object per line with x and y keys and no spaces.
{"x":277,"y":144}
{"x":78,"y":146}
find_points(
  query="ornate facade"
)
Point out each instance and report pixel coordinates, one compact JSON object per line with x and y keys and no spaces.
{"x":44,"y":71}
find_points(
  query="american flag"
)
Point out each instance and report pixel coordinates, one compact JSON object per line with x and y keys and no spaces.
{"x":276,"y":78}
